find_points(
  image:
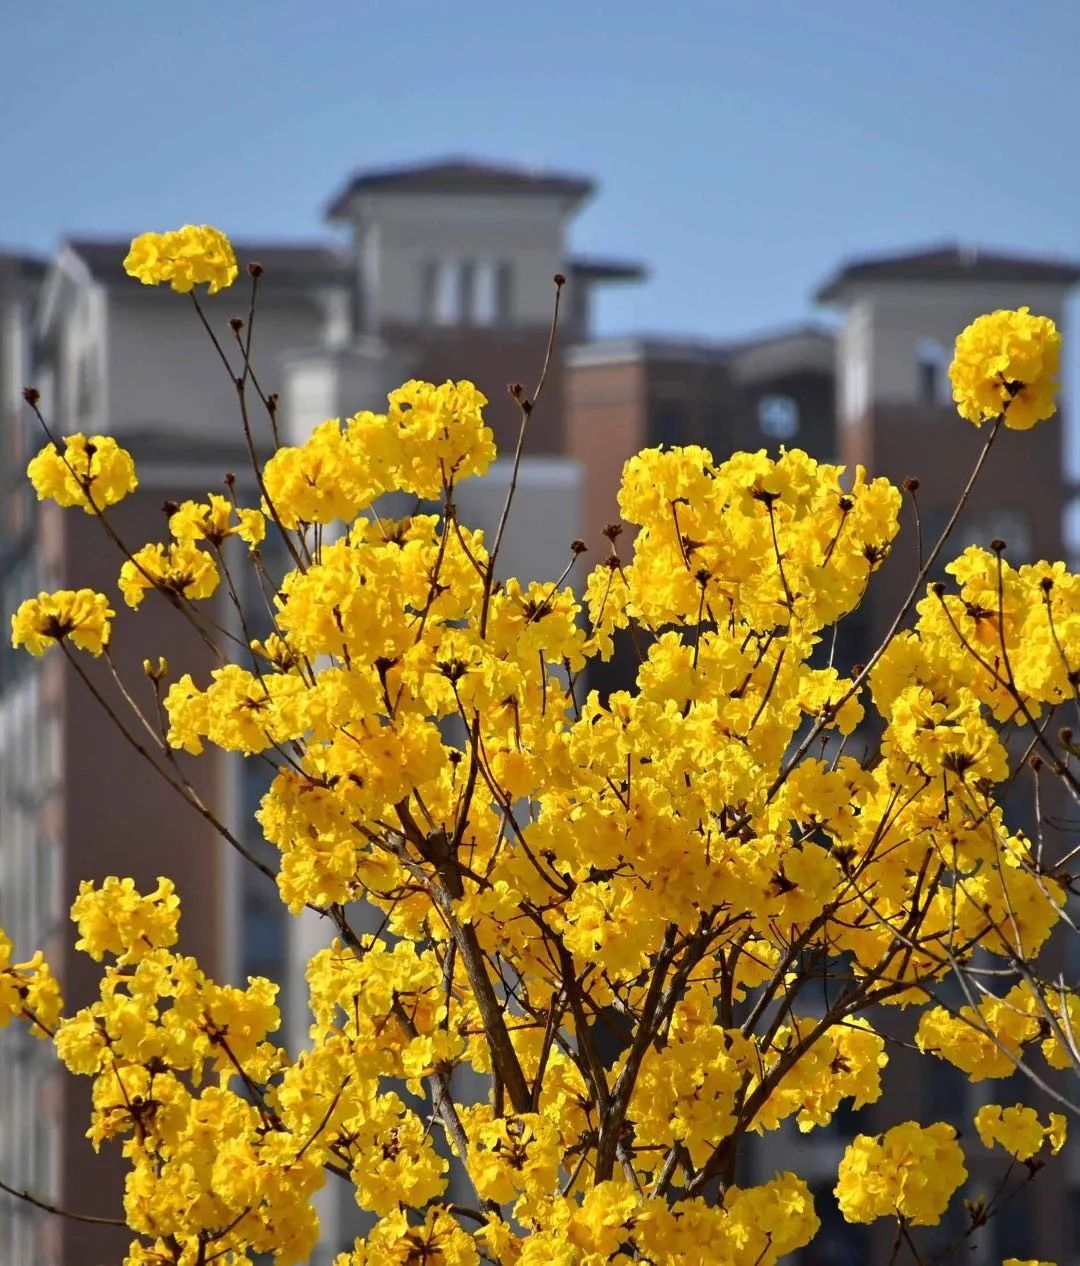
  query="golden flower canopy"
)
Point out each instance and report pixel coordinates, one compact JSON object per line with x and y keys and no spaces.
{"x":685,"y":857}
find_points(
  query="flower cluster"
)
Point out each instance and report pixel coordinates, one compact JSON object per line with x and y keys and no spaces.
{"x":115,"y":919}
{"x":185,"y":258}
{"x":1006,"y":365}
{"x":28,"y":991}
{"x":909,"y":1171}
{"x":215,"y":520}
{"x":80,"y":615}
{"x":180,"y":569}
{"x":1018,"y":1129}
{"x":429,"y":437}
{"x":92,"y":472}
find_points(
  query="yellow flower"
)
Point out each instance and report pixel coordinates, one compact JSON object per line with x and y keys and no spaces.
{"x":92,"y":472}
{"x":393,"y":1242}
{"x":212,"y":521}
{"x":115,"y":919}
{"x":1018,"y":1129}
{"x":81,"y":615}
{"x":179,"y":569}
{"x":1006,"y":363}
{"x":28,"y":990}
{"x":910,"y":1170}
{"x":194,"y":255}
{"x":439,"y":433}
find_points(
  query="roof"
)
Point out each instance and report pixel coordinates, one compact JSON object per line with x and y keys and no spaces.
{"x":647,"y":347}
{"x":809,"y":330}
{"x":459,"y":175}
{"x":950,"y":262}
{"x":290,"y":263}
{"x":775,"y":353}
{"x":21,"y":265}
{"x":667,"y":347}
{"x":593,"y":268}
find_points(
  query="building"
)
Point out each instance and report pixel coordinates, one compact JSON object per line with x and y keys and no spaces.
{"x":28,"y":745}
{"x":109,"y":356}
{"x":630,"y":393}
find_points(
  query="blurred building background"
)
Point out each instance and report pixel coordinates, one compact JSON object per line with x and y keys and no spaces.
{"x":446,"y":272}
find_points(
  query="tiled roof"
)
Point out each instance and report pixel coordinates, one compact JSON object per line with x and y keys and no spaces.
{"x":950,"y":263}
{"x":291,"y":263}
{"x":459,"y":175}
{"x":19,"y":264}
{"x":594,"y":268}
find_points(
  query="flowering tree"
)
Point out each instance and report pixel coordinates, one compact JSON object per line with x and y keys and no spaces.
{"x":700,"y":873}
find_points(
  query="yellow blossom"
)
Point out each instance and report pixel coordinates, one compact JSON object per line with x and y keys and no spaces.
{"x":1018,"y":1129}
{"x":115,"y":919}
{"x":181,"y":569}
{"x":187,"y":257}
{"x":80,"y":615}
{"x":1006,"y":365}
{"x":910,"y":1170}
{"x":92,"y":472}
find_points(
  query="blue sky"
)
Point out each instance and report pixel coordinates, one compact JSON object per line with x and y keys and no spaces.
{"x":742,"y":149}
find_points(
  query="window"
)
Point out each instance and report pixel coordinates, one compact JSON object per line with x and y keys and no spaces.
{"x":778,"y":417}
{"x":441,"y":292}
{"x":668,"y":424}
{"x":466,"y":288}
{"x":504,"y":292}
{"x":448,"y":293}
{"x":1071,"y":530}
{"x":1013,"y":526}
{"x":485,"y":296}
{"x":933,"y":373}
{"x":856,"y":388}
{"x":429,"y":287}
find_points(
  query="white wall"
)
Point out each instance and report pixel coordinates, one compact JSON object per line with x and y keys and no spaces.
{"x":545,"y":516}
{"x":884,"y":325}
{"x":316,"y":385}
{"x":163,"y":370}
{"x":399,"y":234}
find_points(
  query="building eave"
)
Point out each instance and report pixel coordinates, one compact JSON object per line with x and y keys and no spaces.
{"x":457,"y":176}
{"x":949,"y":263}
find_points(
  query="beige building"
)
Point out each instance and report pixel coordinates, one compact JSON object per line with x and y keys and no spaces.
{"x":76,"y":802}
